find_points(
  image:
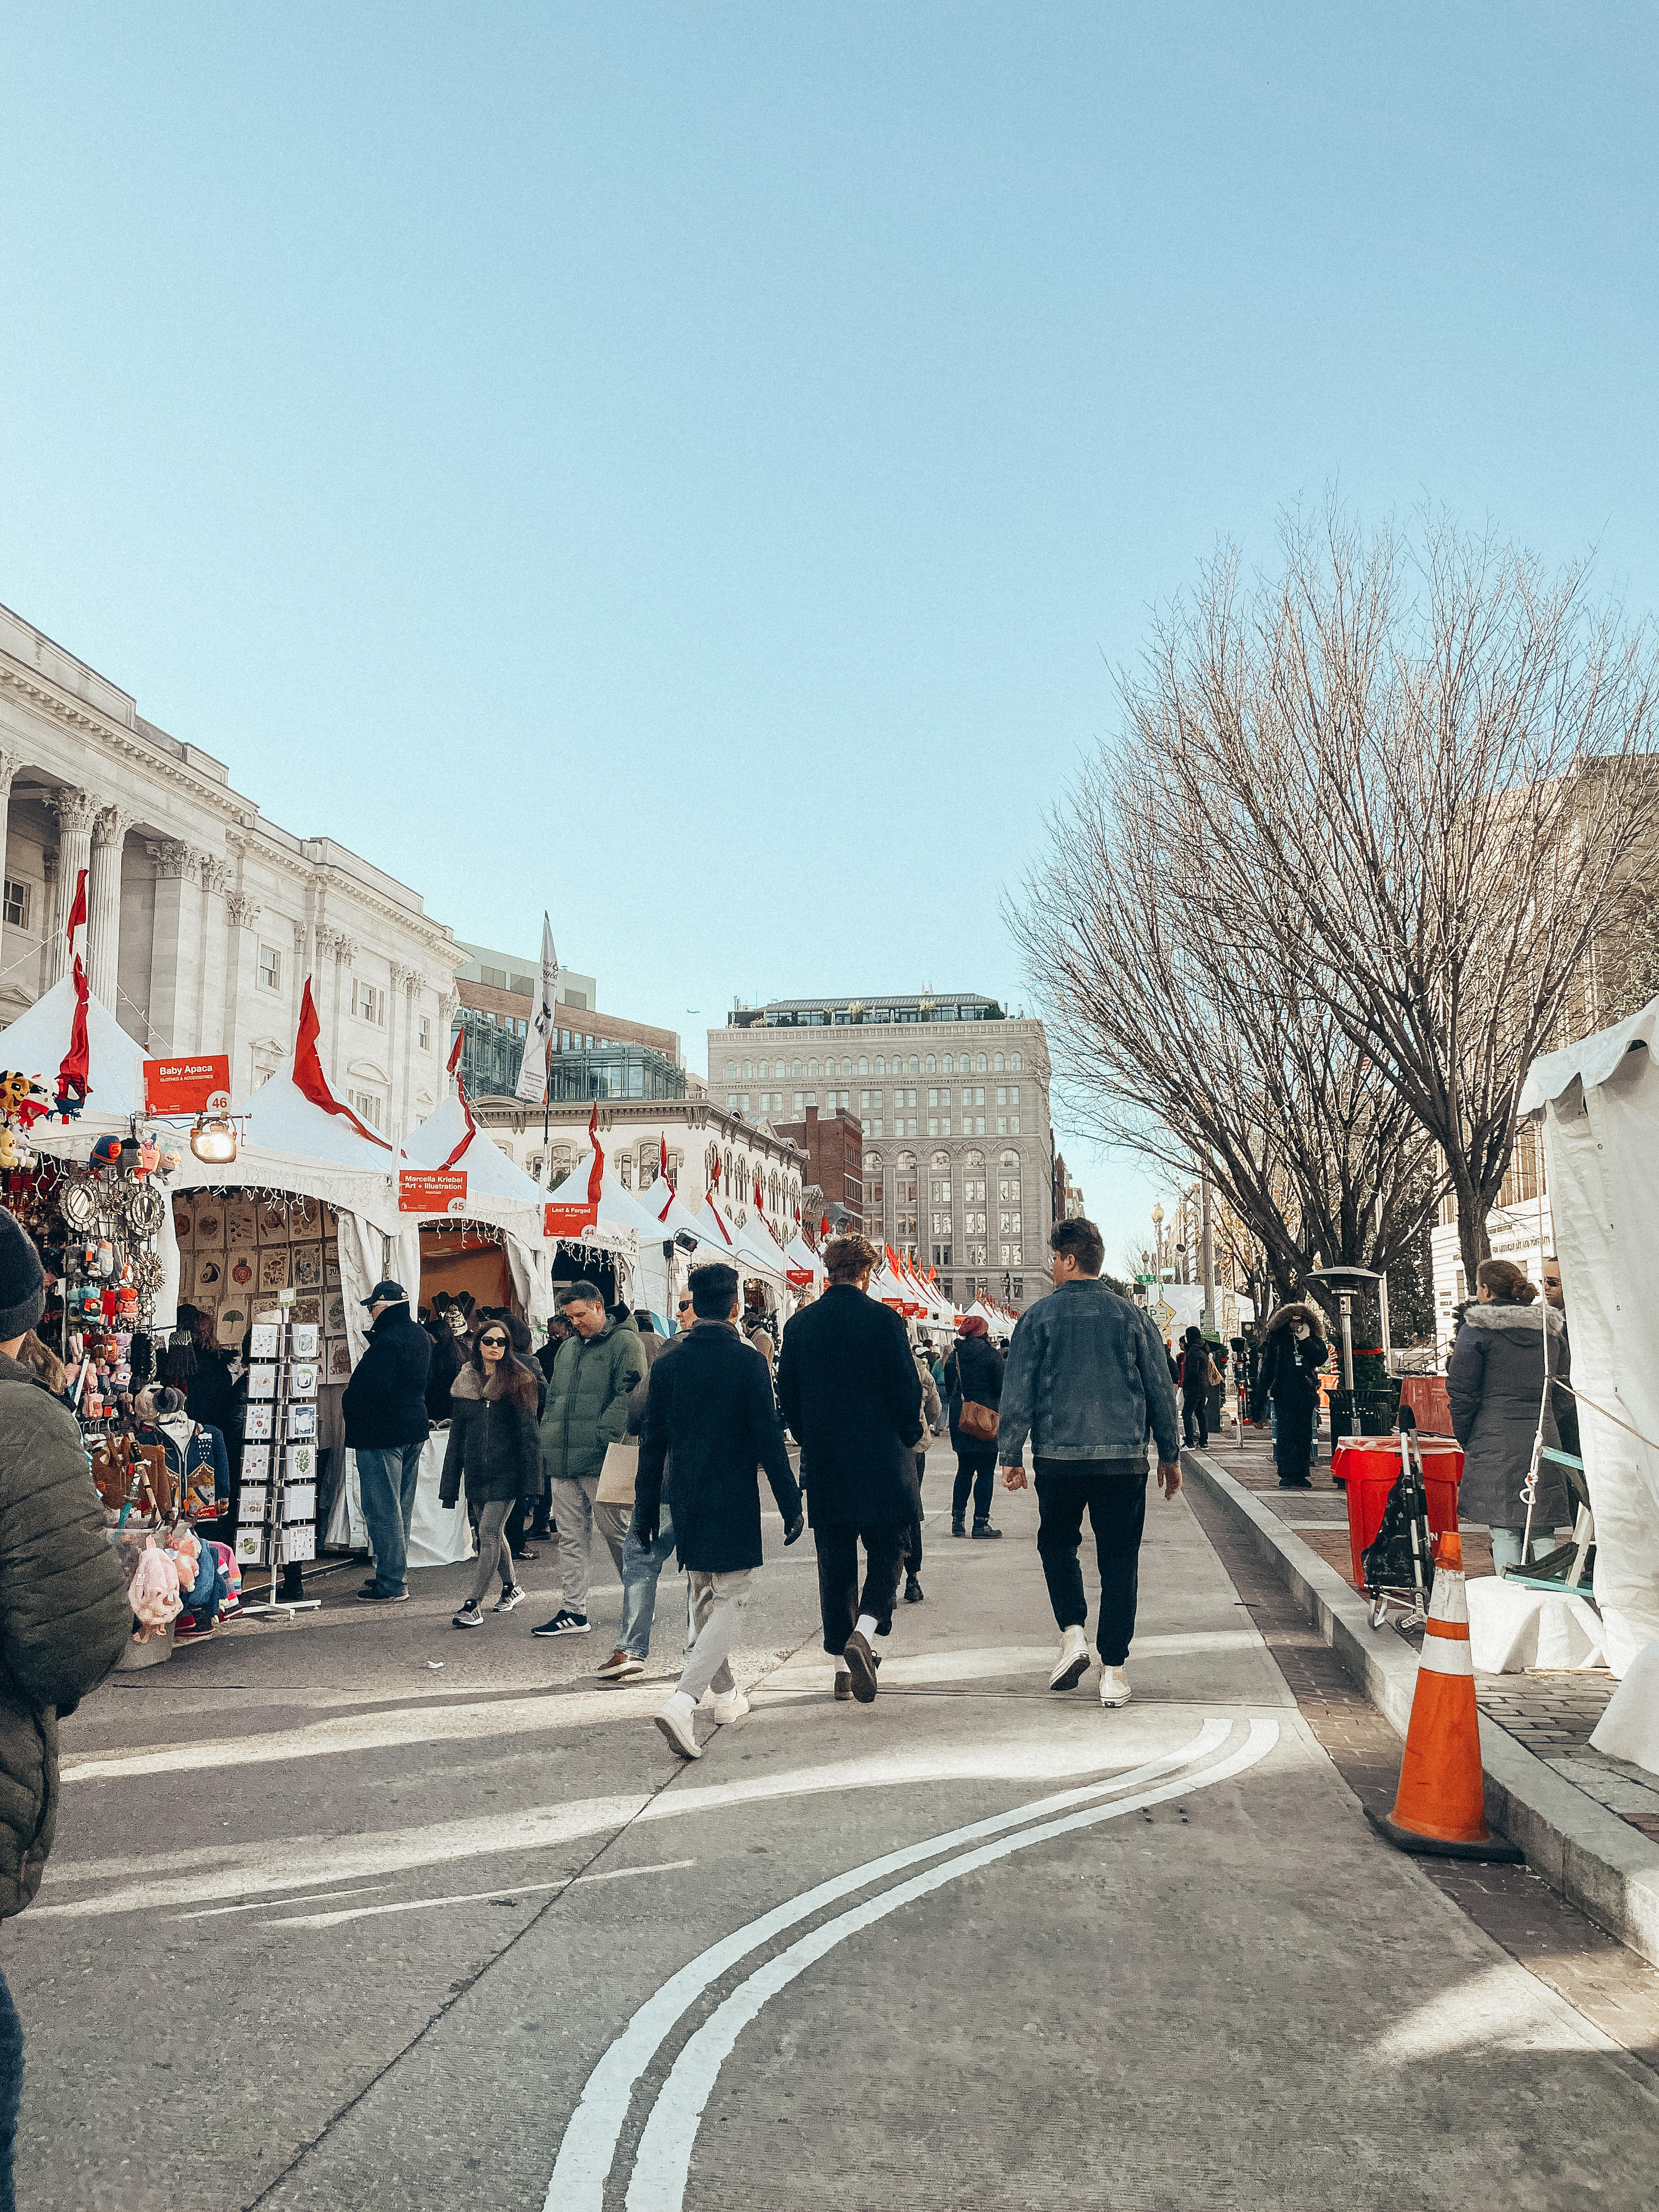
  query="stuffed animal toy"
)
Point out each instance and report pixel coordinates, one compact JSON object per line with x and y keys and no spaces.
{"x":106,"y":1152}
{"x":185,"y":1552}
{"x":25,"y":1095}
{"x":169,"y":1162}
{"x":153,"y":1593}
{"x":149,"y":1153}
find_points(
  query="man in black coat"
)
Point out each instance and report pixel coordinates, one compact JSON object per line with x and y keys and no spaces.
{"x":384,"y":1406}
{"x":850,"y":1391}
{"x":709,"y":1406}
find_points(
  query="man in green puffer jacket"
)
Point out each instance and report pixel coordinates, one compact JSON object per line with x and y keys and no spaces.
{"x":63,"y":1618}
{"x":587,"y":1412}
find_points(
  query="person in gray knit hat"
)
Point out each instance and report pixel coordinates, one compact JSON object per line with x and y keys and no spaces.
{"x":63,"y":1619}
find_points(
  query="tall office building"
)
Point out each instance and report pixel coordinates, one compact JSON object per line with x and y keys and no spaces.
{"x":952,"y":1095}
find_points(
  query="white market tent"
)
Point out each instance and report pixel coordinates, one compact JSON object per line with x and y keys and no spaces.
{"x":663,"y":1204}
{"x":36,"y":1042}
{"x":753,"y":1255}
{"x":497,"y":1192}
{"x":628,"y":1232}
{"x":803,"y":1260}
{"x":1599,"y":1101}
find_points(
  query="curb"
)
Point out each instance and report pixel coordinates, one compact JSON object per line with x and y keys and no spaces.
{"x":1596,"y":1860}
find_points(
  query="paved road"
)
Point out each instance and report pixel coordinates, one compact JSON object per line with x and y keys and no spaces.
{"x":328,"y":1927}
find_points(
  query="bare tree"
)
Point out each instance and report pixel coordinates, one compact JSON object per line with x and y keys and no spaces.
{"x":1431,"y":768}
{"x":1185,"y":1037}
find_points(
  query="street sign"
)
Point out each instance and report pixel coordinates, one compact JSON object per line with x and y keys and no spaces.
{"x":188,"y":1086}
{"x":432,"y":1190}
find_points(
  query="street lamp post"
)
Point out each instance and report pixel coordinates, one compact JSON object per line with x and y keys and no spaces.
{"x":1157,"y":1239}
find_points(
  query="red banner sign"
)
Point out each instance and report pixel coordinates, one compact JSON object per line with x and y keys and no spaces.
{"x":432,"y":1190}
{"x":188,"y":1086}
{"x":569,"y":1220}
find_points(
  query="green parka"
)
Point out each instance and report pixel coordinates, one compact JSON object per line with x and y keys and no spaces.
{"x":64,"y":1619}
{"x":588,"y":1397}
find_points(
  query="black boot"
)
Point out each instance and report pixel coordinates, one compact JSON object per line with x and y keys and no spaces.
{"x":958,"y":1526}
{"x":912,"y":1590}
{"x":984,"y":1529}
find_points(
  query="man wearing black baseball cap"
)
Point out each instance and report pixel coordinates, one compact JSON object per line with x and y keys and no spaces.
{"x":64,"y":1618}
{"x":384,"y":1405}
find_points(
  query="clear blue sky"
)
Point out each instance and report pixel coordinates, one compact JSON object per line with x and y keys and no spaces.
{"x":691,"y":467}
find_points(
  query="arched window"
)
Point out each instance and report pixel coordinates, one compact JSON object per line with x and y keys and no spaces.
{"x":998,"y":1065}
{"x":764,"y":1071}
{"x":915,"y":1065}
{"x":980,"y":1069}
{"x":873,"y":1163}
{"x":906,"y":1162}
{"x":929,"y":1069}
{"x":748,"y":1070}
{"x":730,"y":1070}
{"x":798,"y":1071}
{"x":864,"y":1067}
{"x":976,"y":1160}
{"x":1013,"y":1062}
{"x":846,"y":1067}
{"x":813,"y":1070}
{"x":940,"y":1162}
{"x":1010,"y":1160}
{"x":881,"y":1065}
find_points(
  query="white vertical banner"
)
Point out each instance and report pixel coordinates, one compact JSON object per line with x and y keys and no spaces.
{"x":533,"y":1068}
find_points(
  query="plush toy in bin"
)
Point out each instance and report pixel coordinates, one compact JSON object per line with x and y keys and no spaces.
{"x":153,"y":1593}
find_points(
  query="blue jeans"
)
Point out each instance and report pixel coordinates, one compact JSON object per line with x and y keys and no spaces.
{"x":1506,"y":1547}
{"x":642,"y":1564}
{"x":386,"y":1478}
{"x":11,"y":2091}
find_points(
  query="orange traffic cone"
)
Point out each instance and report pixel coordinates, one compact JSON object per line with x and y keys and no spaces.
{"x":1440,"y":1807}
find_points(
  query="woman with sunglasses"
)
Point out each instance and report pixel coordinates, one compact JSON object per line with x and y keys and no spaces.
{"x":493,"y":1442}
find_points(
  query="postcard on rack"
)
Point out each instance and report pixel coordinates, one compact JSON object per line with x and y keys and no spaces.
{"x":265,"y":1341}
{"x":299,"y":1502}
{"x":250,"y":1547}
{"x":256,"y":1463}
{"x":254,"y":1502}
{"x":241,"y":1231}
{"x":262,"y":1382}
{"x":303,"y":1379}
{"x":305,"y":1340}
{"x":273,"y":1268}
{"x":302,"y":1420}
{"x":259,"y":1422}
{"x":308,"y":1266}
{"x":299,"y":1542}
{"x":302,"y":1463}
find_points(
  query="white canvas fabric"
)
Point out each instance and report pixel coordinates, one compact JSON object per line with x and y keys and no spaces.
{"x":1599,"y":1102}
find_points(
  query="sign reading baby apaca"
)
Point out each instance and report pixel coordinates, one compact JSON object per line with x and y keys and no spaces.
{"x":188,"y":1086}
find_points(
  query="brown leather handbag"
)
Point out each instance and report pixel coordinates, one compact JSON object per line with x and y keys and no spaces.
{"x":980,"y":1422}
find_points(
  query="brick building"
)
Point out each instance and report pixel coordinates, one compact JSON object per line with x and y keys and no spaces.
{"x":834,"y":1146}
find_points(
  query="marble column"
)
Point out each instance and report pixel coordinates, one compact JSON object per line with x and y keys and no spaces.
{"x":304,"y":962}
{"x":109,"y":838}
{"x":52,"y":927}
{"x":10,"y":764}
{"x":174,"y":976}
{"x":214,"y":875}
{"x":400,"y":1020}
{"x":242,"y":920}
{"x":345,"y":951}
{"x":76,"y":811}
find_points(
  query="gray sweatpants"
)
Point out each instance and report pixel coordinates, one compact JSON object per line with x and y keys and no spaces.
{"x":573,"y":1510}
{"x":494,"y":1558}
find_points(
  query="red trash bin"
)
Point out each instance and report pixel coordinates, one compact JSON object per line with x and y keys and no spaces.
{"x":1370,"y":1467}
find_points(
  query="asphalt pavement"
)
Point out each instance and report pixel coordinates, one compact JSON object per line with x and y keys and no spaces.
{"x":365,"y":1912}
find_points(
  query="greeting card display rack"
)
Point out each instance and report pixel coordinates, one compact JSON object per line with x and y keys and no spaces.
{"x":276,"y":1519}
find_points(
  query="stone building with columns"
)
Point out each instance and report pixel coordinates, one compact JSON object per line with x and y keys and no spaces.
{"x":203,"y":918}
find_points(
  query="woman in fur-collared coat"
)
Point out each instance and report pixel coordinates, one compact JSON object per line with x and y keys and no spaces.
{"x":1292,"y":1353}
{"x":1495,"y":1381}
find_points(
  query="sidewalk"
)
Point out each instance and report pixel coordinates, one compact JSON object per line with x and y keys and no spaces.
{"x":1589,"y":1825}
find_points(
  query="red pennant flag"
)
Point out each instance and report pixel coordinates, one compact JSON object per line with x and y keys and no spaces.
{"x":75,"y":1074}
{"x":823,"y":1226}
{"x":77,"y":909}
{"x":455,"y":1050}
{"x":466,"y":1112}
{"x":596,"y":1173}
{"x":760,"y":1203}
{"x":663,"y":1169}
{"x":308,"y":1075}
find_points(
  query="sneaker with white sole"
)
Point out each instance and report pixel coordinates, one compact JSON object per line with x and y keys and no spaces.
{"x":729,"y":1707}
{"x":508,"y":1599}
{"x":564,"y":1623}
{"x":675,"y":1722}
{"x":1072,"y":1663}
{"x":1114,"y":1685}
{"x":621,"y":1667}
{"x":468,"y":1617}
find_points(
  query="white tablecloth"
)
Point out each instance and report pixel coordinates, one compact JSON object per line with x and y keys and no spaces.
{"x":1512,"y":1628}
{"x":437,"y":1538}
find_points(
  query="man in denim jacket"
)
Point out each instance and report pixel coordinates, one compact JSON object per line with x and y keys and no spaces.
{"x":1087,"y":1380}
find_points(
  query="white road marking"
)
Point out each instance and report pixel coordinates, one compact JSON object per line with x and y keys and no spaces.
{"x":471,"y":1896}
{"x":590,"y":2139}
{"x":663,"y":2164}
{"x":263,"y":1904}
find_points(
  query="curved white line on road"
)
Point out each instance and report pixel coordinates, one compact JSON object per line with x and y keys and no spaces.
{"x":590,"y":2140}
{"x":662,"y":2167}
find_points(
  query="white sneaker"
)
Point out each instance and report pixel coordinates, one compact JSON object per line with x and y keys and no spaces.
{"x":1114,"y":1685}
{"x":1072,"y":1663}
{"x":675,"y":1722}
{"x":508,"y":1599}
{"x":728,"y":1708}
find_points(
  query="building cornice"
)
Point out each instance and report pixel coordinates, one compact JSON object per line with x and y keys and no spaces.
{"x":621,"y":1113}
{"x":75,"y":715}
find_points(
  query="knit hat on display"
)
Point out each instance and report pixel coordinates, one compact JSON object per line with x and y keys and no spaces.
{"x":22,"y":1280}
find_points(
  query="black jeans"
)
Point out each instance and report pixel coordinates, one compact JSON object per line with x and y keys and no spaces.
{"x":839,"y":1599}
{"x":913,"y":1542}
{"x":975,"y":1471}
{"x":1196,"y":1417}
{"x":1293,"y":1436}
{"x":11,"y":2091}
{"x":1113,"y":1491}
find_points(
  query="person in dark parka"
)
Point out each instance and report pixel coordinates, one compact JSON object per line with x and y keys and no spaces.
{"x":384,"y":1407}
{"x":973,"y":1374}
{"x":1495,"y":1381}
{"x":851,"y":1394}
{"x":1292,"y":1353}
{"x":494,"y":1443}
{"x":709,"y":1405}
{"x":64,"y":1619}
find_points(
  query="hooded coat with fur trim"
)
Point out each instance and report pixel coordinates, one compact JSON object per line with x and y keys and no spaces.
{"x":1495,"y":1381}
{"x":492,"y":1441}
{"x":1289,"y":1373}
